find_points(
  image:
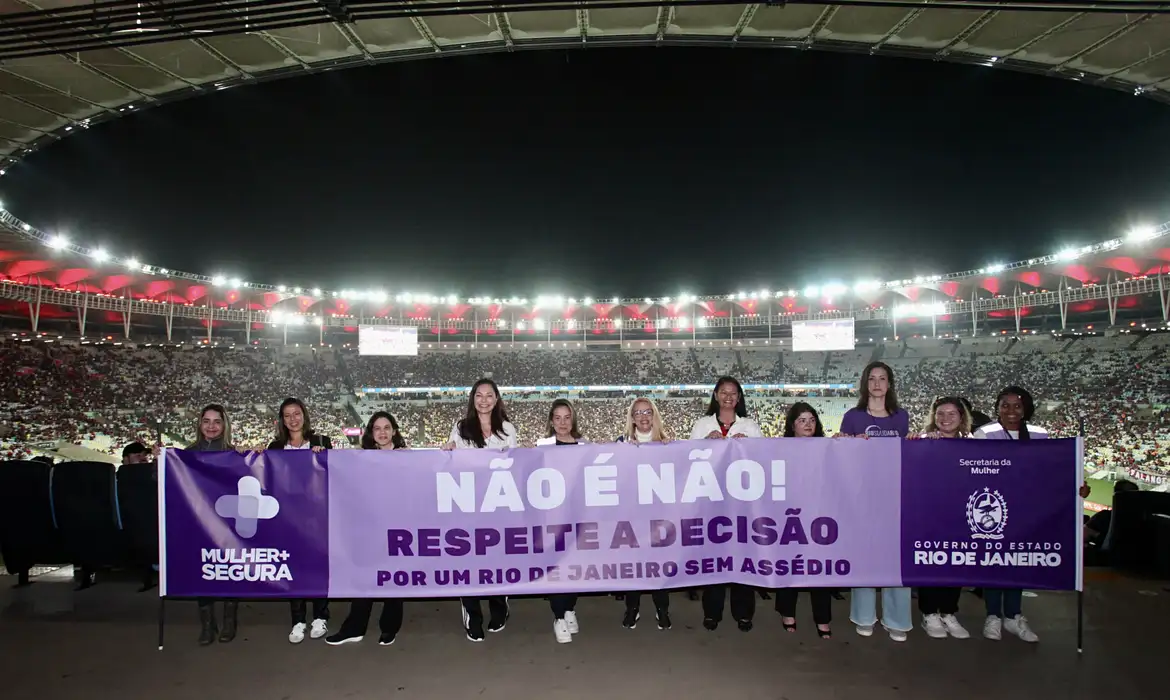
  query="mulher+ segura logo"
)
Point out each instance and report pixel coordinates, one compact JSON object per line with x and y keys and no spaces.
{"x":246,"y":508}
{"x":987,"y":514}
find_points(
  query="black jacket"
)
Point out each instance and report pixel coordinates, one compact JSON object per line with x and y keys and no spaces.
{"x":315,"y":440}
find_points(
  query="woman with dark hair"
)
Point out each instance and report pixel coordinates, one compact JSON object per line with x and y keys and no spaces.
{"x":803,"y":421}
{"x":878,"y":415}
{"x":727,"y":414}
{"x":727,"y":417}
{"x":485,"y":425}
{"x":1014,"y":407}
{"x":381,"y":433}
{"x":563,"y":430}
{"x":213,"y":433}
{"x":950,"y":418}
{"x":295,"y":432}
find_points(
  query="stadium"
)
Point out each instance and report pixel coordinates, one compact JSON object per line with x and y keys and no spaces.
{"x":101,"y":348}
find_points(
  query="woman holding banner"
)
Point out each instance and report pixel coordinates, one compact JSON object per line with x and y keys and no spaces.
{"x":727,"y":417}
{"x":644,"y":424}
{"x":803,"y":421}
{"x":1014,"y":407}
{"x":563,"y":430}
{"x":485,"y":425}
{"x":295,"y":432}
{"x":949,"y":419}
{"x":214,"y":434}
{"x":381,"y":433}
{"x":878,"y":414}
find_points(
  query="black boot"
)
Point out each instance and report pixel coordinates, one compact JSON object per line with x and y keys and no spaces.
{"x":230,"y":608}
{"x":206,"y":624}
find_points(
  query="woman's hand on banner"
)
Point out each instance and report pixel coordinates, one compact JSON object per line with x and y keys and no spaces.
{"x":714,"y":435}
{"x":448,"y":447}
{"x":738,"y":436}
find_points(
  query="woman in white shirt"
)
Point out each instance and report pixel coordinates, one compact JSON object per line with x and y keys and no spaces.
{"x":727,"y":418}
{"x":485,"y":425}
{"x":644,"y":424}
{"x":563,"y":430}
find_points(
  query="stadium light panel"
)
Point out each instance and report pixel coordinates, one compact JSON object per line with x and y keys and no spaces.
{"x":451,"y":299}
{"x":316,"y":291}
{"x":1068,"y":254}
{"x":219,"y":280}
{"x":237,"y":282}
{"x":378,"y":296}
{"x":617,"y":323}
{"x":100,"y":254}
{"x":649,"y":301}
{"x":811,"y":291}
{"x":281,"y":288}
{"x":833,"y":290}
{"x":133,"y":264}
{"x":995,"y":269}
{"x":58,"y":242}
{"x":665,"y":300}
{"x":26,"y":227}
{"x":588,"y":301}
{"x":764,"y":294}
{"x":742,"y":296}
{"x":1142,"y":233}
{"x":572,"y":301}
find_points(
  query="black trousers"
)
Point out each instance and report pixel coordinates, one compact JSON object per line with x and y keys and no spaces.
{"x":300,"y":607}
{"x":497,"y":607}
{"x":561,"y":604}
{"x":358,"y":619}
{"x":822,"y":603}
{"x":661,"y":600}
{"x":208,"y":602}
{"x":743,"y":602}
{"x":940,"y":601}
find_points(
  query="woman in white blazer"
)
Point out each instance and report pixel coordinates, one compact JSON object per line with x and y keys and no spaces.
{"x":727,"y":418}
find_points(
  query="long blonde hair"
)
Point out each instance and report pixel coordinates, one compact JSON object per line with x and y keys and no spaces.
{"x":964,"y":415}
{"x":657,"y":432}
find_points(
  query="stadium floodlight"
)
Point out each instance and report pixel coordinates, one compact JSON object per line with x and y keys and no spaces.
{"x":649,"y":301}
{"x":616,"y":301}
{"x":538,"y":324}
{"x":58,"y":242}
{"x":665,"y":300}
{"x":1068,"y":254}
{"x":379,"y":296}
{"x":26,"y":227}
{"x":281,"y":288}
{"x":316,"y":291}
{"x":133,"y":264}
{"x":866,"y":286}
{"x":996,"y":269}
{"x":742,"y":296}
{"x":791,"y":292}
{"x":571,"y":323}
{"x":1142,"y":233}
{"x":572,"y":301}
{"x":834,"y":289}
{"x":100,"y":254}
{"x":451,"y":300}
{"x":276,"y":317}
{"x":519,"y":325}
{"x":617,"y":323}
{"x":237,"y":282}
{"x":702,"y":322}
{"x":812,"y":291}
{"x":502,"y":323}
{"x":588,"y":301}
{"x":764,"y":294}
{"x":219,"y":280}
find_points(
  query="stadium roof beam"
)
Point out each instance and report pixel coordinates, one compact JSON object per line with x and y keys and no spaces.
{"x":1043,"y":35}
{"x":819,"y":26}
{"x":505,"y":28}
{"x":901,"y":24}
{"x":970,"y":29}
{"x":745,"y":19}
{"x":665,"y":17}
{"x":583,"y":24}
{"x":1104,"y":41}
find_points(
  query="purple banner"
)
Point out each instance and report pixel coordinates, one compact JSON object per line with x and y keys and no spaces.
{"x":764,"y":512}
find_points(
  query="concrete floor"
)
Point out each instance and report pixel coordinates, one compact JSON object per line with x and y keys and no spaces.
{"x":101,"y":643}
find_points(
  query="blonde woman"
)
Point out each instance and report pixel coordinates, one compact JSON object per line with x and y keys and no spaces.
{"x":644,"y":424}
{"x":949,"y":419}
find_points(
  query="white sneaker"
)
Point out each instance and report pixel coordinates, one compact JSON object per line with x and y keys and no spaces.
{"x":571,"y":621}
{"x":865,"y":630}
{"x":933,"y":625}
{"x":956,"y":630}
{"x":1018,"y":626}
{"x":896,"y":635}
{"x":298,"y":633}
{"x":993,"y":628}
{"x":561,"y":630}
{"x":319,"y":629}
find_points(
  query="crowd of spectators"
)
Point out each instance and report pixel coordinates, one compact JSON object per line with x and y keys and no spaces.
{"x":101,"y":397}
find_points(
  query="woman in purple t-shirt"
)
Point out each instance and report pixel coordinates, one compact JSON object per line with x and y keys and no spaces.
{"x":878,"y":414}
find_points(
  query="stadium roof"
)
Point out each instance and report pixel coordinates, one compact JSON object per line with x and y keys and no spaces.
{"x":67,"y":64}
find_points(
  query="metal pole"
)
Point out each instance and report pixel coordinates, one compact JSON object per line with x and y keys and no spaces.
{"x":162,"y":617}
{"x":1081,"y":593}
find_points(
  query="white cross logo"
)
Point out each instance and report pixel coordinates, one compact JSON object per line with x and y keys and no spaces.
{"x":247,"y":507}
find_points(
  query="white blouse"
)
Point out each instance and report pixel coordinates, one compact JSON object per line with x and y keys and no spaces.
{"x":492,"y":441}
{"x":705,"y":425}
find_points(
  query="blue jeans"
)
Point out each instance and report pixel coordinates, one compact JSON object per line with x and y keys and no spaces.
{"x":1004,"y":602}
{"x":895,"y":608}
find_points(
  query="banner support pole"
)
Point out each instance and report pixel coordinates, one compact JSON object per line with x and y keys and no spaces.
{"x":162,"y":615}
{"x":1081,"y":590}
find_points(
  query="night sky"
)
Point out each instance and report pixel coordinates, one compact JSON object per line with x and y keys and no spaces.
{"x":610,"y":171}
